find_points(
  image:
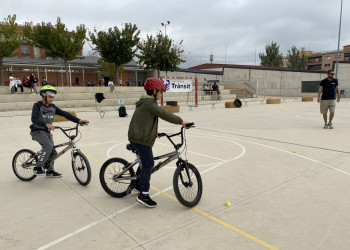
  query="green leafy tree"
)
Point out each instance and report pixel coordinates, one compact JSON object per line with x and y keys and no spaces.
{"x":116,"y":46}
{"x":297,"y":58}
{"x":108,"y":69}
{"x":56,"y":40}
{"x":272,"y":57}
{"x":160,"y":53}
{"x":10,"y":38}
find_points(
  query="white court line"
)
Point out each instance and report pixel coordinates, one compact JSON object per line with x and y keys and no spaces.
{"x":169,"y":188}
{"x":285,"y":151}
{"x":131,"y":206}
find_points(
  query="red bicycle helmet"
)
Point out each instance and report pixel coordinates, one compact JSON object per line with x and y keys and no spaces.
{"x":154,"y":83}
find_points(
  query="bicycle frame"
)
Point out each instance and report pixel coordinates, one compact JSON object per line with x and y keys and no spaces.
{"x":70,"y":145}
{"x":170,"y":157}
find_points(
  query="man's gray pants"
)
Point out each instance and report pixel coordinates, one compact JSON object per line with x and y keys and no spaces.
{"x":46,"y":142}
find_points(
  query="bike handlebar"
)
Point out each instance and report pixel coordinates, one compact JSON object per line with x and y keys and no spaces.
{"x":72,"y":137}
{"x":177,"y":146}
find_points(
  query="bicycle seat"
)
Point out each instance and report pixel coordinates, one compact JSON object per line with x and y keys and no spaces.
{"x":130,"y":147}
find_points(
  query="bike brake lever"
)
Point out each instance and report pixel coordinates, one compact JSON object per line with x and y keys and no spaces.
{"x":161,"y":134}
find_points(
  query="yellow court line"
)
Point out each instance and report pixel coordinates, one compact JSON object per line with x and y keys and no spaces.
{"x":222,"y":223}
{"x":92,"y":158}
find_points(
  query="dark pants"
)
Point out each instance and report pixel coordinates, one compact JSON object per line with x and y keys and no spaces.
{"x":147,"y":162}
{"x":20,"y":86}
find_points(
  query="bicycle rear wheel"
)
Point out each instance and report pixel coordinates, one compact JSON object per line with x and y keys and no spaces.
{"x":117,"y":186}
{"x":187,"y":193}
{"x":23,"y":163}
{"x":81,"y":168}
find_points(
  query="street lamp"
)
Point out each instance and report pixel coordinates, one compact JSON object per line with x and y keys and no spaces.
{"x":336,"y":66}
{"x":167,"y":23}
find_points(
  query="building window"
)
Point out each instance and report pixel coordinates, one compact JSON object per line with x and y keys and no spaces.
{"x":25,"y":50}
{"x":327,"y":65}
{"x":338,"y":57}
{"x":317,"y":59}
{"x":327,"y":57}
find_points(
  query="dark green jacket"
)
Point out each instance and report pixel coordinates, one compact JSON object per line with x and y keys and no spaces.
{"x":143,"y":126}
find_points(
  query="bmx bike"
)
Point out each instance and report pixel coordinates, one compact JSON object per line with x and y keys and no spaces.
{"x":24,"y":160}
{"x":118,"y":177}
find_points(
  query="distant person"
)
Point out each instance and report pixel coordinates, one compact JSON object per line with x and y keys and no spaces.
{"x":77,"y":80}
{"x":12,"y":83}
{"x":32,"y":82}
{"x":215,"y":87}
{"x":111,"y":86}
{"x":43,"y":81}
{"x":120,"y":82}
{"x":139,"y":83}
{"x":329,"y":89}
{"x":127,"y":83}
{"x":18,"y":84}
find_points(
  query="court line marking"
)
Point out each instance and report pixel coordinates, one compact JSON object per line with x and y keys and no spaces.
{"x":133,"y":205}
{"x":225,"y":224}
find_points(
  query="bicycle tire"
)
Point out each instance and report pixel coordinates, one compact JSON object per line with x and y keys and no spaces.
{"x":24,"y":173}
{"x":81,"y":168}
{"x":189,"y":196}
{"x":114,"y":187}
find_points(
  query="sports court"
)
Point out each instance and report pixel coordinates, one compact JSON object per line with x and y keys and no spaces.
{"x":286,"y":177}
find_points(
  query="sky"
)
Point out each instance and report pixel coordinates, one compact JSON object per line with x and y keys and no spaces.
{"x":233,"y":31}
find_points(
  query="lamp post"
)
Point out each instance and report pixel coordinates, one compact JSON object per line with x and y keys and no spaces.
{"x":165,"y":24}
{"x":336,"y":66}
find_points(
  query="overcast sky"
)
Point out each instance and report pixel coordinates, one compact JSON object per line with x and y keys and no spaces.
{"x":234,"y":31}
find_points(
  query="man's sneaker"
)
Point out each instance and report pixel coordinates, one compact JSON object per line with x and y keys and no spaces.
{"x":53,"y":174}
{"x":39,"y":171}
{"x":330,"y":125}
{"x":325,"y":125}
{"x":146,"y":200}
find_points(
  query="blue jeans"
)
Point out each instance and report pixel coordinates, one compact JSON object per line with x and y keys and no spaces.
{"x":147,"y":162}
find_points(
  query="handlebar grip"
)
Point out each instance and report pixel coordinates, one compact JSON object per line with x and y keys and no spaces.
{"x":189,"y":124}
{"x":83,"y":123}
{"x":161,"y":134}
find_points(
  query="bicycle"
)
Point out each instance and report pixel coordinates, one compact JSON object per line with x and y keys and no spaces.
{"x":24,"y":160}
{"x":118,"y":178}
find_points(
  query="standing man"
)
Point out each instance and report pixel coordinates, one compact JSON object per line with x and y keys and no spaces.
{"x":329,"y":89}
{"x":77,"y":80}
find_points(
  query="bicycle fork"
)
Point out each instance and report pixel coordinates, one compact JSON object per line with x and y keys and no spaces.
{"x":188,"y":183}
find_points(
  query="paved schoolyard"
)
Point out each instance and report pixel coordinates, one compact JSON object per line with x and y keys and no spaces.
{"x":286,"y":177}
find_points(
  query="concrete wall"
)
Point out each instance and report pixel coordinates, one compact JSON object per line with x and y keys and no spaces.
{"x":269,"y":82}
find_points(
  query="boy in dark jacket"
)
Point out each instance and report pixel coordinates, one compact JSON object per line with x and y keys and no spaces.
{"x":43,"y":113}
{"x":143,"y":130}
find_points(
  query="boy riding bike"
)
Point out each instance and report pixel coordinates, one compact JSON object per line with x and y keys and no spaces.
{"x":143,"y":131}
{"x":43,"y":113}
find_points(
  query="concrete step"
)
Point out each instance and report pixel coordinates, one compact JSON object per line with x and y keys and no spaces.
{"x":74,"y":97}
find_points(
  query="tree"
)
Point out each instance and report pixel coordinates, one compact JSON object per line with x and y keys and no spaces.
{"x":297,"y":58}
{"x":56,"y":40}
{"x":108,"y":69}
{"x":10,"y":39}
{"x":160,"y":53}
{"x":272,"y":57}
{"x":116,"y":46}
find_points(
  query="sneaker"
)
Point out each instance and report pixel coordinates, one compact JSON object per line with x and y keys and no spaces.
{"x":330,"y":125}
{"x":146,"y":200}
{"x":53,"y":174}
{"x":325,"y":125}
{"x":39,"y":171}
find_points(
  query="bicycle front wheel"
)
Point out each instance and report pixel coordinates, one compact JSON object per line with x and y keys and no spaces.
{"x":114,"y":185}
{"x":81,"y":168}
{"x":23,"y":163}
{"x":187,"y":185}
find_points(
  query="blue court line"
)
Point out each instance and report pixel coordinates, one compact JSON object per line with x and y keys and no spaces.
{"x":285,"y":142}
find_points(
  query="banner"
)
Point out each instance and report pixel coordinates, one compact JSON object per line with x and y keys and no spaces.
{"x":178,"y":85}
